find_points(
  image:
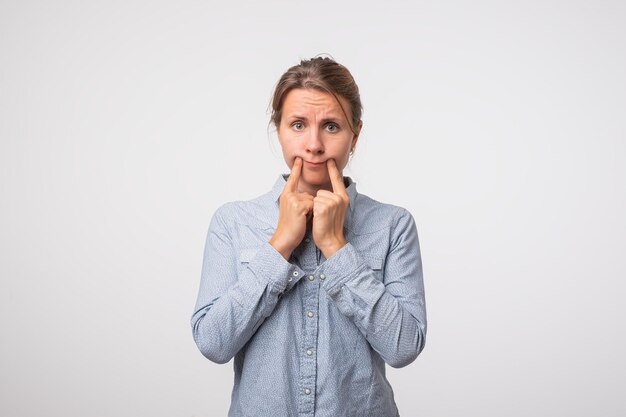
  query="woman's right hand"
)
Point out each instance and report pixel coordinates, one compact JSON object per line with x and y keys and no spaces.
{"x":293,"y":212}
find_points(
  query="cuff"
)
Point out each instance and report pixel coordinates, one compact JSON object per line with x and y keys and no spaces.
{"x":268,"y":264}
{"x":344,"y":265}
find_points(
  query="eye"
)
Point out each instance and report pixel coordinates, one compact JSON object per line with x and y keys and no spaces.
{"x":297,"y":125}
{"x":332,"y":127}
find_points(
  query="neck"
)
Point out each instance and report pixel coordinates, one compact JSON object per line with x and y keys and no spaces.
{"x":312,"y":190}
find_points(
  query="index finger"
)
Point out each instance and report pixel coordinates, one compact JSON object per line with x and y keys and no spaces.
{"x":336,"y":179}
{"x":294,"y":177}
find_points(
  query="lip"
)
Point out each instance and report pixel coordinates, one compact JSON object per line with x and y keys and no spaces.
{"x":316,"y":166}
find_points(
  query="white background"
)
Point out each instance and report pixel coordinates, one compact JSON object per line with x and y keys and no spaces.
{"x":499,"y":124}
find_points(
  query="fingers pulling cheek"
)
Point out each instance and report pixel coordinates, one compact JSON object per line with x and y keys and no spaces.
{"x":340,"y":164}
{"x":290,"y":160}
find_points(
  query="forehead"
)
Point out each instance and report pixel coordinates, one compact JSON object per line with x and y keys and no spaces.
{"x":303,"y":101}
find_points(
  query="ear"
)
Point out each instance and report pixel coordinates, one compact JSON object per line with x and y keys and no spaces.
{"x":358,"y":133}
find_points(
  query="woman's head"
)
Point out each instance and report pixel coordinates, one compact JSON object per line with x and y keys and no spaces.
{"x":322,"y":74}
{"x":316,"y":109}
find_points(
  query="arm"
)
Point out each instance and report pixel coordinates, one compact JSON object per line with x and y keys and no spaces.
{"x":390,"y":314}
{"x":234,"y":300}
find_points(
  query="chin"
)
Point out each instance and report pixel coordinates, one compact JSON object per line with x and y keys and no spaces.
{"x":316,"y":178}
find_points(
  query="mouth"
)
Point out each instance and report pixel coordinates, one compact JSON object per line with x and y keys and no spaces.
{"x":315,"y":165}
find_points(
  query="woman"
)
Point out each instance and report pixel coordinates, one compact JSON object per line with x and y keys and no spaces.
{"x":312,"y":287}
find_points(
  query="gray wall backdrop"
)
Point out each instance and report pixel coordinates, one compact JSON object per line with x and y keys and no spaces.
{"x":499,"y":124}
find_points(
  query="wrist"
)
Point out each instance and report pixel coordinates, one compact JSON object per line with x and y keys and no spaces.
{"x":282,"y":248}
{"x":331,"y":248}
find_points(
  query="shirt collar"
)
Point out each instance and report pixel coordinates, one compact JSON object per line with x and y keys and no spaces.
{"x":279,"y":185}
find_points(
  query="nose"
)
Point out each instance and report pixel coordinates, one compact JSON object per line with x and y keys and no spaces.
{"x":314,"y":143}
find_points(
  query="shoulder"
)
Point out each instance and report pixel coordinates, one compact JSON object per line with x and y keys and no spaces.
{"x":372,"y":214}
{"x":378,"y":228}
{"x":255,"y":210}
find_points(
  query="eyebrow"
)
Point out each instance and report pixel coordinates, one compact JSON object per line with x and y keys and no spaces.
{"x":324,"y":120}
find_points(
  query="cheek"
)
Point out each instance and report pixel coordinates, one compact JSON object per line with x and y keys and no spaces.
{"x":289,"y":152}
{"x":341,"y":163}
{"x":341,"y":156}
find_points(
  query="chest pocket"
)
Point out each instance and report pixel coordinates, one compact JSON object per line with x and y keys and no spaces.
{"x":376,"y":264}
{"x":371,"y":243}
{"x":373,"y":248}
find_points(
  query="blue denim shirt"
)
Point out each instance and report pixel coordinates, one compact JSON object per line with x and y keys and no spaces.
{"x":311,"y":336}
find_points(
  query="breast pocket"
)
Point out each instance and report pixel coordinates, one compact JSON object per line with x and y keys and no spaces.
{"x":376,"y":264}
{"x":373,"y":248}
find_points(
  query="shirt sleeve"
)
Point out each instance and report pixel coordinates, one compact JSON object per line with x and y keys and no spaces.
{"x":239,"y":289}
{"x":391,"y":313}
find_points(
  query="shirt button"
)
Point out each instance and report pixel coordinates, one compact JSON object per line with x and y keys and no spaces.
{"x":307,"y":391}
{"x":310,"y":314}
{"x":322,"y":277}
{"x":309,"y":352}
{"x":311,"y":277}
{"x":295,"y":273}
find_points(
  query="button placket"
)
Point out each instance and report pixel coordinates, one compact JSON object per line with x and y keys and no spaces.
{"x":308,"y":364}
{"x":310,"y":293}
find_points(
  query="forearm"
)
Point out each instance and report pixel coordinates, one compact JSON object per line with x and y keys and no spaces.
{"x":394,"y":324}
{"x":222,"y":324}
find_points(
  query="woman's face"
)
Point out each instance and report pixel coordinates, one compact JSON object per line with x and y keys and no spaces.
{"x":314,"y":127}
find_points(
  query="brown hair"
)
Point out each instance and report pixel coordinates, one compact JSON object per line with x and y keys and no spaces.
{"x":323,"y":74}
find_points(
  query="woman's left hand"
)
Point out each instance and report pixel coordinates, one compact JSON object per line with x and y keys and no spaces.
{"x":329,"y":213}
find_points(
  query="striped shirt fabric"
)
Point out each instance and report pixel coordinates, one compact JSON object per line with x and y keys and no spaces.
{"x":311,"y":337}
